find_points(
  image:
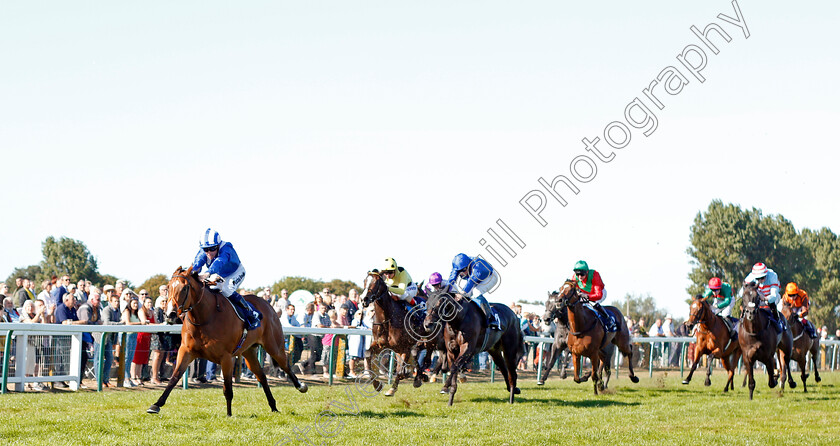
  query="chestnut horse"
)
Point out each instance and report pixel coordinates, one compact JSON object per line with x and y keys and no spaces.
{"x":712,"y":339}
{"x":589,"y":338}
{"x":470,"y":335}
{"x":390,"y":330}
{"x":212,"y":331}
{"x":802,"y":345}
{"x":556,"y":311}
{"x":759,"y":341}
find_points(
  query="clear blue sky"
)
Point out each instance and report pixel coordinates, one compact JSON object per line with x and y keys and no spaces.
{"x":322,"y":137}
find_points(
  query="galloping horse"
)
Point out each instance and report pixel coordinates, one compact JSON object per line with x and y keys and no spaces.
{"x":759,"y":341}
{"x":215,"y":333}
{"x":470,"y":335}
{"x":712,"y":338}
{"x":589,"y":338}
{"x":556,"y":311}
{"x":389,"y":329}
{"x":802,"y":344}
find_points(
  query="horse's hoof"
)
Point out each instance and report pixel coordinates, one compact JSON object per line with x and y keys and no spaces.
{"x":685,"y":381}
{"x":424,"y":377}
{"x":540,"y":383}
{"x":578,"y":380}
{"x":634,"y":379}
{"x":153,"y":409}
{"x":444,"y":390}
{"x":707,"y":383}
{"x":390,"y":392}
{"x":303,"y":388}
{"x":417,"y":383}
{"x":563,"y":375}
{"x":792,"y":384}
{"x":516,"y":391}
{"x":817,"y":378}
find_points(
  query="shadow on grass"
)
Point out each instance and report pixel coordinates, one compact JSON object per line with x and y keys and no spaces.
{"x":557,"y":402}
{"x":395,"y":414}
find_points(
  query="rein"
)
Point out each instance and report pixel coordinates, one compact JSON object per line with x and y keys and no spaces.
{"x":187,"y":288}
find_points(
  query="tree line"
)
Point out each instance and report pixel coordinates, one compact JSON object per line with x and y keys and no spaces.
{"x":727,"y":240}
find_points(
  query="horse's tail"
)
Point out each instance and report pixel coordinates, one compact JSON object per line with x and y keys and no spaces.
{"x":520,"y":346}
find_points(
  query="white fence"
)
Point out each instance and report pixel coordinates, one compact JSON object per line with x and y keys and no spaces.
{"x":21,"y":334}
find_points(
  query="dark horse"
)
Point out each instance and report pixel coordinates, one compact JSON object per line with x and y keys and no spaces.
{"x":759,"y":340}
{"x":802,"y":345}
{"x":589,"y":338}
{"x":470,"y":336}
{"x":212,"y":331}
{"x":712,"y":339}
{"x":556,"y":311}
{"x":390,"y":330}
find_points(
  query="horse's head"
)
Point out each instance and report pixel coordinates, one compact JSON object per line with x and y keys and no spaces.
{"x":374,"y":288}
{"x":181,"y":293}
{"x":440,"y":306}
{"x":697,"y":311}
{"x":569,"y":294}
{"x":554,"y":308}
{"x":750,"y":302}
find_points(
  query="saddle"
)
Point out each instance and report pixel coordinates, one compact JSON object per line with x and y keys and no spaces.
{"x":603,"y":321}
{"x":778,"y":323}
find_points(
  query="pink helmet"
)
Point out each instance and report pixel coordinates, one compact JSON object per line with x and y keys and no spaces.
{"x":435,"y":279}
{"x":759,"y":270}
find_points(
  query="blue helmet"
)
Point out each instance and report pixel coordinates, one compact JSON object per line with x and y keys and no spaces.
{"x":209,"y":239}
{"x":461,"y":262}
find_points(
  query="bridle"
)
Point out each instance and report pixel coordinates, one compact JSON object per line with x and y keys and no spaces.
{"x":180,"y":303}
{"x":377,"y":278}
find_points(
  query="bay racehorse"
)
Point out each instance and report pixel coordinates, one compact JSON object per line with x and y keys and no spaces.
{"x":802,"y":345}
{"x":588,"y":337}
{"x":556,"y":311}
{"x":390,"y":330}
{"x":759,"y":339}
{"x":712,"y":339}
{"x":470,"y":335}
{"x":212,"y":331}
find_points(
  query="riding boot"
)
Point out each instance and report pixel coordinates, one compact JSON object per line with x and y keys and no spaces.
{"x":606,"y":318}
{"x":729,"y":325}
{"x":492,"y":318}
{"x":733,"y":331}
{"x":780,"y":321}
{"x":252,"y":317}
{"x":810,"y":329}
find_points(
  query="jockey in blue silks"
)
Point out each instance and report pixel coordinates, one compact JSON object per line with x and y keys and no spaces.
{"x":222,"y":262}
{"x":480,"y":276}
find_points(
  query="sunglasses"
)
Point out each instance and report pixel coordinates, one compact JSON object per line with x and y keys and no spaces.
{"x":144,"y":294}
{"x":580,"y":273}
{"x":210,"y":249}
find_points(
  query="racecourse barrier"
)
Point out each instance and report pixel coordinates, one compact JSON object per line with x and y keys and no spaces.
{"x":23,"y":345}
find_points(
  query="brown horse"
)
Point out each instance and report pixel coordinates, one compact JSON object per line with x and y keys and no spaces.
{"x":802,"y":345}
{"x":589,"y":338}
{"x":390,"y":329}
{"x":759,"y":341}
{"x":712,"y":338}
{"x":470,"y":335}
{"x":212,"y":331}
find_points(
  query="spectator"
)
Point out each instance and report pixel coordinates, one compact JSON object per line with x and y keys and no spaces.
{"x":44,"y":295}
{"x":110,"y":316}
{"x":23,"y":294}
{"x":358,"y":345}
{"x":836,"y":333}
{"x":326,"y":341}
{"x":18,"y":285}
{"x":296,"y":347}
{"x":10,"y":314}
{"x":65,"y":313}
{"x":81,"y":295}
{"x":352,"y":303}
{"x":144,"y":340}
{"x":33,"y":314}
{"x":314,"y":340}
{"x":89,"y":313}
{"x":131,"y":316}
{"x":4,"y":290}
{"x":58,"y":291}
{"x":282,"y":302}
{"x":120,"y":287}
{"x":164,"y":341}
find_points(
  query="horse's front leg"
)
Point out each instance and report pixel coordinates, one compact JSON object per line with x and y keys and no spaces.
{"x":576,"y":364}
{"x":227,"y":372}
{"x":465,"y":355}
{"x":400,"y":371}
{"x":555,"y":351}
{"x":694,"y":361}
{"x":181,"y":365}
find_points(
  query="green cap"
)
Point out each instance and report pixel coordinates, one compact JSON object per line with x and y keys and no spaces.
{"x":581,"y":266}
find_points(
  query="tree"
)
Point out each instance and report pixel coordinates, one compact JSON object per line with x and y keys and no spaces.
{"x":68,"y":256}
{"x":31,"y":272}
{"x":153,"y":283}
{"x":107,"y":279}
{"x":338,"y":286}
{"x":294,"y":283}
{"x":634,"y":307}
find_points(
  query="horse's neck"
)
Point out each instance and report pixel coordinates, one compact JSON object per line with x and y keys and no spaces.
{"x":204,"y":307}
{"x":460,"y":316}
{"x":577,"y":318}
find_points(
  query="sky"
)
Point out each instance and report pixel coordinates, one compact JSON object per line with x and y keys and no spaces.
{"x":322,"y":137}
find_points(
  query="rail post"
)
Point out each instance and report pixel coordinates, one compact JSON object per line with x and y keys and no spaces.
{"x":539,"y":359}
{"x":7,"y":353}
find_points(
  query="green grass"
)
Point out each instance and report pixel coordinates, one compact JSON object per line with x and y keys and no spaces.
{"x":655,"y":411}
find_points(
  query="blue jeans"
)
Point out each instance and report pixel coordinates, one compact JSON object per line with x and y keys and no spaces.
{"x":109,"y":360}
{"x":210,"y":370}
{"x":130,"y":344}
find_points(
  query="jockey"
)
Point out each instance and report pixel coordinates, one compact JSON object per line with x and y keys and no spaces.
{"x":435,"y":283}
{"x":590,"y":284}
{"x":768,"y":288}
{"x":719,"y":295}
{"x":222,"y":262}
{"x":799,"y":303}
{"x":480,"y":276}
{"x":399,"y":282}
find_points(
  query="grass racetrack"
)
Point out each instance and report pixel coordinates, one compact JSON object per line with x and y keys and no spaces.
{"x":655,"y":411}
